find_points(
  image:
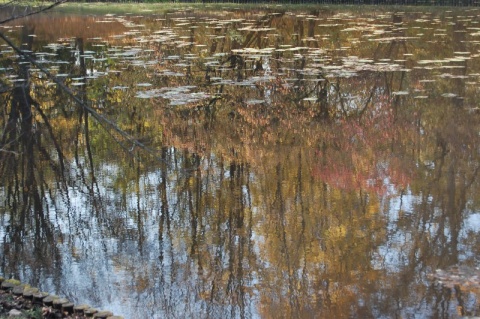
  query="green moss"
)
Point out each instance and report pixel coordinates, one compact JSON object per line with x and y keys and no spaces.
{"x":35,"y":313}
{"x":14,"y":281}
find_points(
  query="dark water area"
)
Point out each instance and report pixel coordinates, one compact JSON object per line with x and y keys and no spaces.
{"x":245,"y":164}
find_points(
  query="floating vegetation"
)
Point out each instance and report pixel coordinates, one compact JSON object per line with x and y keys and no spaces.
{"x":449,"y":95}
{"x":248,"y":54}
{"x":120,"y":87}
{"x":255,"y":101}
{"x":346,"y":112}
{"x":177,"y":95}
{"x":458,"y":276}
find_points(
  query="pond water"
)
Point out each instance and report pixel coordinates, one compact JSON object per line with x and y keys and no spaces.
{"x":234,"y":163}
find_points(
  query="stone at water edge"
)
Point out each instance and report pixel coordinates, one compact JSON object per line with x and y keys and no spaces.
{"x":7,"y":285}
{"x":39,"y":297}
{"x":48,"y":301}
{"x":18,"y":290}
{"x":102,"y":315}
{"x":29,"y":292}
{"x":15,"y":313}
{"x":68,"y":307}
{"x":57,"y":303}
{"x":90,"y":311}
{"x":80,"y":309}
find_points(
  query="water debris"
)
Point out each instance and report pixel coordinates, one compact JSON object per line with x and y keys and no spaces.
{"x":255,"y":29}
{"x":400,"y":93}
{"x":449,"y":95}
{"x":452,"y":76}
{"x":177,"y":95}
{"x":171,"y":73}
{"x":467,"y":278}
{"x":313,"y":74}
{"x":255,"y":101}
{"x":120,"y":87}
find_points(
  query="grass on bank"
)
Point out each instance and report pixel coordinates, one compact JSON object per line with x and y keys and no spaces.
{"x":153,"y":8}
{"x":159,"y":6}
{"x":35,"y":313}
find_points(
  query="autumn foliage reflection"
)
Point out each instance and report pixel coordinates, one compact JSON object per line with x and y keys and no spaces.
{"x":295,"y":165}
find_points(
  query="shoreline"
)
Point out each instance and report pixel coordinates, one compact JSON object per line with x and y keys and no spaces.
{"x":19,"y":300}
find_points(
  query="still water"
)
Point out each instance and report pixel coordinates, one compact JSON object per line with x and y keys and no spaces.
{"x":233,"y":163}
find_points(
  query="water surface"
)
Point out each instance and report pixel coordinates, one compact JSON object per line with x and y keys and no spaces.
{"x":244,"y":164}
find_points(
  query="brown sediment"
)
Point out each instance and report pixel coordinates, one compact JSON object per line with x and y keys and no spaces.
{"x":35,"y":304}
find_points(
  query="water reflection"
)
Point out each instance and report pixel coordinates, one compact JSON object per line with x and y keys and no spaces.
{"x":314,"y":164}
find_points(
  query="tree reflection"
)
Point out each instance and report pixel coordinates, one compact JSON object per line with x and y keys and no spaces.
{"x":309,"y":182}
{"x":27,"y":166}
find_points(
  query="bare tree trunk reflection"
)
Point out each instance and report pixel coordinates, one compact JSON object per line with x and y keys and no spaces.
{"x":23,"y":176}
